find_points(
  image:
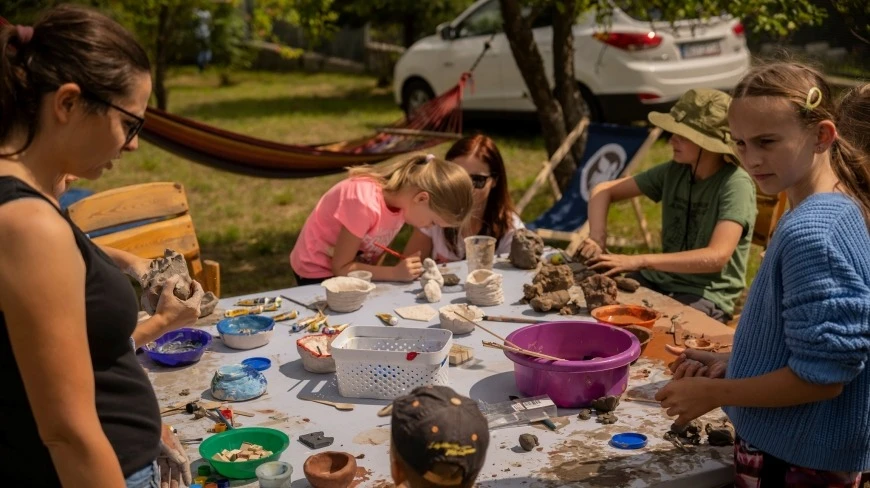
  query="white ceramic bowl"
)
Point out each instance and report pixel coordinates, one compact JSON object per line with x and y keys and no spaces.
{"x":246,"y":332}
{"x":452,"y":321}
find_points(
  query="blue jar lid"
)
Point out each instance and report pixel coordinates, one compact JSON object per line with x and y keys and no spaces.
{"x":258,"y":363}
{"x":628,"y":440}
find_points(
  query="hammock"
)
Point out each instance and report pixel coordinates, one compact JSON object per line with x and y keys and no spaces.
{"x":435,"y":122}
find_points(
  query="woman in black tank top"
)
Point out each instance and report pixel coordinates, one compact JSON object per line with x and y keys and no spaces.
{"x":79,"y":410}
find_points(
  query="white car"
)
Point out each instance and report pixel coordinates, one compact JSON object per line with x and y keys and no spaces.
{"x":624,"y":72}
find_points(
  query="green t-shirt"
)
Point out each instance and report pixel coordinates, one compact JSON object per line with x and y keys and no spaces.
{"x":727,"y":195}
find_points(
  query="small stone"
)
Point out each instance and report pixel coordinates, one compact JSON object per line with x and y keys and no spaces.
{"x":361,"y":456}
{"x":528,"y":442}
{"x":450,"y":279}
{"x":585,"y":414}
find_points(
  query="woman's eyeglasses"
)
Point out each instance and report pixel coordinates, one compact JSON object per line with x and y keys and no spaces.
{"x":479,"y":181}
{"x":133,"y":127}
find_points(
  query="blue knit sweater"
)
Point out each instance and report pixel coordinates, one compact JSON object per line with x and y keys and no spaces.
{"x":809,"y":309}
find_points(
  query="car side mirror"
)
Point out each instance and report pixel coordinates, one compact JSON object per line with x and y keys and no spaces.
{"x":445,"y":31}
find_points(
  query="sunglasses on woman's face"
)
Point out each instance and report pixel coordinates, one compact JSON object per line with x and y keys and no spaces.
{"x":133,"y":126}
{"x":479,"y":181}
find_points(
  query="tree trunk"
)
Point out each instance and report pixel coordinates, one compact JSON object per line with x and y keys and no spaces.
{"x":409,"y":29}
{"x":566,"y":87}
{"x":528,"y":59}
{"x":161,"y":55}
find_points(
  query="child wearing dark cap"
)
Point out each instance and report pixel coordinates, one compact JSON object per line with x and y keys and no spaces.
{"x":439,"y":438}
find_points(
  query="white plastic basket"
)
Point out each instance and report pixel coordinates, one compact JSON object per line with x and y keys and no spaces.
{"x":374,"y":362}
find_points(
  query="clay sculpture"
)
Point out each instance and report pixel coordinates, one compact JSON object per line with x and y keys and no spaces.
{"x":484,"y":288}
{"x":160,"y":270}
{"x":431,"y":280}
{"x":626,"y":284}
{"x":526,"y":249}
{"x":555,"y":300}
{"x":208,"y":304}
{"x":599,"y":290}
{"x":549,"y":278}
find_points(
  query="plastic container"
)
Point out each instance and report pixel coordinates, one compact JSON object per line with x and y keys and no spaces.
{"x":479,"y":252}
{"x":515,"y":412}
{"x":190,"y":344}
{"x":597,"y":361}
{"x":623,"y":315}
{"x":270,"y":439}
{"x":247,"y":331}
{"x":388,"y":362}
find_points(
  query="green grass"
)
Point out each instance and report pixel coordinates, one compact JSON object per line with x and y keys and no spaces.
{"x":250,"y":224}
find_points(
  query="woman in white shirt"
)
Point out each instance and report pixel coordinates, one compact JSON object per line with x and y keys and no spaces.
{"x":493,"y":214}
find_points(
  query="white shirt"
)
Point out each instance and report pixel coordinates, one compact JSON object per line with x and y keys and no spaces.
{"x":442,"y":254}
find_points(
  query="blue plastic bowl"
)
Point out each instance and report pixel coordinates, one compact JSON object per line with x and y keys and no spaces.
{"x":158,"y":352}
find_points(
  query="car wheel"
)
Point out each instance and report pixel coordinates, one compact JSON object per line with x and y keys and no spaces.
{"x":415,"y":94}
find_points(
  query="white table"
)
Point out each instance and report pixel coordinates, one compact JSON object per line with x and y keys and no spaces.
{"x":577,"y":454}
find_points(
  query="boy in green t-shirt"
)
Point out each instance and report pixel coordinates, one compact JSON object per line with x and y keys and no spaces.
{"x":708,"y":211}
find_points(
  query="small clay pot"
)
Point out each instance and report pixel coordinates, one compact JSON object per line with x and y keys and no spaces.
{"x":330,"y":469}
{"x":643,"y":335}
{"x":699,"y":344}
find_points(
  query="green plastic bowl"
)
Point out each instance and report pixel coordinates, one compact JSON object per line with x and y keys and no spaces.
{"x":270,"y":439}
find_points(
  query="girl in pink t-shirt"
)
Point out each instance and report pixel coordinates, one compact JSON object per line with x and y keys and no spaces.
{"x":365,"y":211}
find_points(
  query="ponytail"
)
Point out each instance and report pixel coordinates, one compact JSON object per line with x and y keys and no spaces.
{"x":850,"y":154}
{"x":18,"y":99}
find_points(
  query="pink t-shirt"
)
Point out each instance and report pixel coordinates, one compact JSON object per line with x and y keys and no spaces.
{"x":357,"y":204}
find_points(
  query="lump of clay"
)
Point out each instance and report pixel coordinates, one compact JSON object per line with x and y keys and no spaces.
{"x":551,"y":301}
{"x":528,"y":441}
{"x":608,"y":418}
{"x":626,"y":284}
{"x":208,"y":304}
{"x":526,"y":249}
{"x":581,"y":271}
{"x":605,"y":404}
{"x":549,"y":278}
{"x":599,"y":290}
{"x":431,"y":280}
{"x":450,"y":279}
{"x":585,"y":414}
{"x":721,"y":434}
{"x":160,"y":270}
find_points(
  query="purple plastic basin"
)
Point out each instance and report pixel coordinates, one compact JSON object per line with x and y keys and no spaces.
{"x":190,"y":344}
{"x":597,"y":358}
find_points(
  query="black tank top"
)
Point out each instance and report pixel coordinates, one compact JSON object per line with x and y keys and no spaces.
{"x":125,"y":400}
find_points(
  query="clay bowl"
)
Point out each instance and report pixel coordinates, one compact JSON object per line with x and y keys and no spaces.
{"x":246,"y":332}
{"x":237,"y":383}
{"x":452,"y":321}
{"x":361,"y":274}
{"x":345,"y":294}
{"x":699,"y":344}
{"x":643,"y":335}
{"x":330,"y":469}
{"x":312,"y":360}
{"x":622,"y":315}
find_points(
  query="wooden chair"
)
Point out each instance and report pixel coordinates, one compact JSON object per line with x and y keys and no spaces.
{"x":770,"y":209}
{"x":145,"y":220}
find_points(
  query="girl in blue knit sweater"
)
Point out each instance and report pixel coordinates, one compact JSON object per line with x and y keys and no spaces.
{"x":796,"y":386}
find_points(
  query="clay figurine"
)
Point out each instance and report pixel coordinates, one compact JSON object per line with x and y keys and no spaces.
{"x":431,"y":280}
{"x":160,"y":270}
{"x":526,"y":249}
{"x":549,"y":278}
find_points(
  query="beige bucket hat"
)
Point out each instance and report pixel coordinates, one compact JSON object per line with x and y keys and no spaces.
{"x":701,"y":116}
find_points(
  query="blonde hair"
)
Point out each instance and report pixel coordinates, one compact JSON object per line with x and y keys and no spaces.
{"x":448,"y":184}
{"x":810,"y":96}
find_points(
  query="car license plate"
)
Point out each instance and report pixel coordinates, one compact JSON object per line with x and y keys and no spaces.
{"x":700,"y":49}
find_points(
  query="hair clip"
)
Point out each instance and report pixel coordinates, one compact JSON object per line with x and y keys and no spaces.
{"x":430,"y":157}
{"x":814,"y":99}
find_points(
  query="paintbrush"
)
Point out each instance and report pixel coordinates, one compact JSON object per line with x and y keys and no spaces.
{"x":509,"y":343}
{"x":642,"y":400}
{"x":520,"y":350}
{"x":515,"y":320}
{"x":387,"y":249}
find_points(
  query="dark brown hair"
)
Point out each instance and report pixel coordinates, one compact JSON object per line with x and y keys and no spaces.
{"x":795,"y":82}
{"x":70,"y":44}
{"x":499,"y":211}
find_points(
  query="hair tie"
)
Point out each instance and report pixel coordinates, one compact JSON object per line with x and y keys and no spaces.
{"x":814,"y":99}
{"x":430,"y":157}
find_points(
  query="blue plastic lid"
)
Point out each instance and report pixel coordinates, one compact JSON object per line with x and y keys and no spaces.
{"x":628,"y":440}
{"x":196,"y":485}
{"x":260,"y":364}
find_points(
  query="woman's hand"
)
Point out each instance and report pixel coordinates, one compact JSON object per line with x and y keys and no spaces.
{"x":408,"y":269}
{"x":174,"y":312}
{"x":692,"y":363}
{"x":688,"y":398}
{"x":591,"y":248}
{"x":173,"y":461}
{"x":614,"y":264}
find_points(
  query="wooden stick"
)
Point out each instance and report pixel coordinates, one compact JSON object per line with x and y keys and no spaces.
{"x":642,"y":400}
{"x":520,"y":350}
{"x":515,"y":320}
{"x":487,"y":331}
{"x":513,"y":347}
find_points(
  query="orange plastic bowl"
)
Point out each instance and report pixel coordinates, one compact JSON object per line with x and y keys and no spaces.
{"x":623,"y":315}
